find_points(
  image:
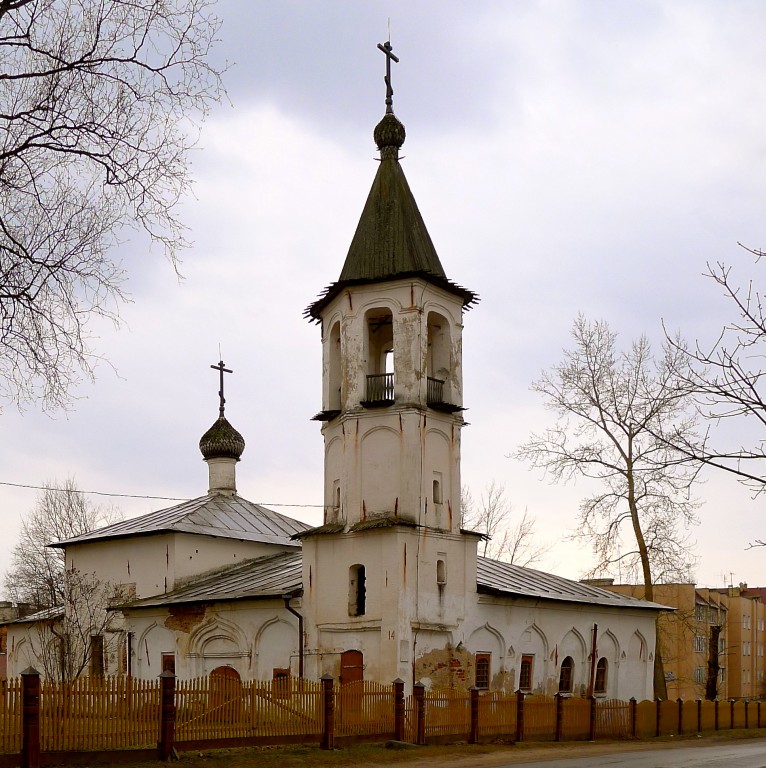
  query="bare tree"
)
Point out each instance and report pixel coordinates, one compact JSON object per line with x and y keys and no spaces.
{"x":729,"y":384}
{"x":98,"y":103}
{"x":614,"y":410}
{"x":36,"y":575}
{"x":81,"y":635}
{"x":508,"y":538}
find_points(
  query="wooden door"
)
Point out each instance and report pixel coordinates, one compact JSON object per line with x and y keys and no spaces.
{"x":351,"y":667}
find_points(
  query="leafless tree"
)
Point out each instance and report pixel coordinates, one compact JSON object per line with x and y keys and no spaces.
{"x":509,"y":538}
{"x":729,"y":383}
{"x":36,"y":575}
{"x":82,"y":635}
{"x":99,"y":103}
{"x":614,"y":410}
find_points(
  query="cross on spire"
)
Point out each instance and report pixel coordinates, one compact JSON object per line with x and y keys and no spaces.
{"x":222,"y":400}
{"x":386,"y":48}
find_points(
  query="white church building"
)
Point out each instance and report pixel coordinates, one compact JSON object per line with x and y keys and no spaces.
{"x":390,"y":586}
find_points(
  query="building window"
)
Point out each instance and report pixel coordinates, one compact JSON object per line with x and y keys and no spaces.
{"x":357,"y":591}
{"x":699,"y":674}
{"x":525,"y":673}
{"x":566,"y":677}
{"x":169,"y":662}
{"x":746,"y":648}
{"x":722,"y":673}
{"x":482,"y":670}
{"x":761,"y":624}
{"x":441,"y":572}
{"x":699,"y":643}
{"x":699,"y":612}
{"x":97,"y":656}
{"x":437,"y":494}
{"x":601,"y":670}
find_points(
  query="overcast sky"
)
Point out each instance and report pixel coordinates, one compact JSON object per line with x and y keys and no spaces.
{"x":566,"y":156}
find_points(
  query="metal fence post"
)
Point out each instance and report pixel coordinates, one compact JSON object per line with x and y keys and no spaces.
{"x":519,"y":715}
{"x":715,"y":714}
{"x":328,"y":728}
{"x":399,"y":709}
{"x":419,"y":692}
{"x":699,"y":715}
{"x":747,"y":719}
{"x":167,"y":714}
{"x":473,"y":736}
{"x":30,"y":723}
{"x":731,"y":713}
{"x":592,"y":723}
{"x":657,"y":717}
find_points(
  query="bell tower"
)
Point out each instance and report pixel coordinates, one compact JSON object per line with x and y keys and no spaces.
{"x":392,"y":402}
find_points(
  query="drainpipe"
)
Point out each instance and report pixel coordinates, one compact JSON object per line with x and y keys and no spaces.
{"x":292,"y":610}
{"x":593,"y":653}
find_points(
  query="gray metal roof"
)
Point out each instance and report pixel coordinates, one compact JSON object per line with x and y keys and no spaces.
{"x":217,"y":514}
{"x":494,"y":576}
{"x":257,"y":578}
{"x":46,"y":614}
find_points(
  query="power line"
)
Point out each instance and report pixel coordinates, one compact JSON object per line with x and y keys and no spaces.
{"x":138,"y":495}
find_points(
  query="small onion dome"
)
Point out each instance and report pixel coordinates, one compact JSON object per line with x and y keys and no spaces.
{"x":389,"y":135}
{"x":222,"y":441}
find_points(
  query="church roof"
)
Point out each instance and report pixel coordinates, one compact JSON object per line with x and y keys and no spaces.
{"x":216,"y":514}
{"x":497,"y":577}
{"x":391,"y":241}
{"x":258,"y":578}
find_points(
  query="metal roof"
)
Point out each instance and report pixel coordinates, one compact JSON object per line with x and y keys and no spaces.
{"x":217,"y":514}
{"x":496,"y":577}
{"x":46,"y":614}
{"x":257,"y":578}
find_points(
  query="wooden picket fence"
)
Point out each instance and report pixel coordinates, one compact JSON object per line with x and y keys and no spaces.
{"x":122,"y":713}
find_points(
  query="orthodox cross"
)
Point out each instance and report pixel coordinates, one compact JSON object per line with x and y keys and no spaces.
{"x":386,"y":48}
{"x":221,"y":369}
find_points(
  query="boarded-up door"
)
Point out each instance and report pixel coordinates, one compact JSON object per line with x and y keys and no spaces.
{"x":351,"y":667}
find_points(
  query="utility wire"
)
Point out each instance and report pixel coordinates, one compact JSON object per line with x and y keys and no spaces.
{"x":137,"y":495}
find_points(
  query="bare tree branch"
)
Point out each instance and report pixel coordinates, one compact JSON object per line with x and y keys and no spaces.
{"x":99,"y":106}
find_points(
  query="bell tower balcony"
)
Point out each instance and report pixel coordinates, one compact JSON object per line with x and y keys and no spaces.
{"x":380,"y":390}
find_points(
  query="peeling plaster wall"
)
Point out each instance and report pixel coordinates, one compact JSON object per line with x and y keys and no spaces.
{"x":253,"y":637}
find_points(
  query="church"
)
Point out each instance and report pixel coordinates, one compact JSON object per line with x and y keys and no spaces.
{"x":390,"y":585}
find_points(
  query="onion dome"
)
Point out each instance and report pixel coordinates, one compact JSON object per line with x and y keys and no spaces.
{"x":222,"y":441}
{"x":389,"y":135}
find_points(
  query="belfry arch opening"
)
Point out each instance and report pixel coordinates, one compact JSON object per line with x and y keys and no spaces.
{"x":379,"y":353}
{"x":334,"y":369}
{"x":439,"y":359}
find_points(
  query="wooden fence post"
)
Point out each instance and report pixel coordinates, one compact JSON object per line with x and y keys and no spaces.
{"x":328,"y":727}
{"x":419,"y":692}
{"x":715,"y":714}
{"x":559,"y":716}
{"x":592,"y":724}
{"x":519,"y":715}
{"x":680,"y":703}
{"x":731,"y":713}
{"x":699,"y":715}
{"x":473,"y":736}
{"x":167,"y":715}
{"x":399,"y":709}
{"x":633,"y":718}
{"x":758,"y":711}
{"x":747,"y":719}
{"x":657,"y":717}
{"x":30,"y":723}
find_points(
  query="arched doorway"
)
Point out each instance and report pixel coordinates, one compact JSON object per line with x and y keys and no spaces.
{"x":225,"y":699}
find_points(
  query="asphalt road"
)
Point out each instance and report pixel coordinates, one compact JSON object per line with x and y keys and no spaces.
{"x":734,"y":755}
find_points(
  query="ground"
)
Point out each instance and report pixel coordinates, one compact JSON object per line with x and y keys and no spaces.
{"x":451,"y":756}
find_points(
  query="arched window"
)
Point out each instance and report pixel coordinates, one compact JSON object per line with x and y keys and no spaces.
{"x":566,"y":678}
{"x":601,"y":672}
{"x":379,"y":351}
{"x":437,"y":492}
{"x":439,"y":360}
{"x":357,"y":591}
{"x":441,"y":572}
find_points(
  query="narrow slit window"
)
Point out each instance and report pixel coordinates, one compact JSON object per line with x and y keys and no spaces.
{"x":482,"y":670}
{"x":357,"y":591}
{"x":441,"y":572}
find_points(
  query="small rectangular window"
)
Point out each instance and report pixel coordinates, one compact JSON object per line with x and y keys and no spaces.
{"x":525,"y":673}
{"x":482,"y":670}
{"x":441,"y":572}
{"x":699,"y":643}
{"x":169,"y":663}
{"x":699,"y":612}
{"x":699,"y":674}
